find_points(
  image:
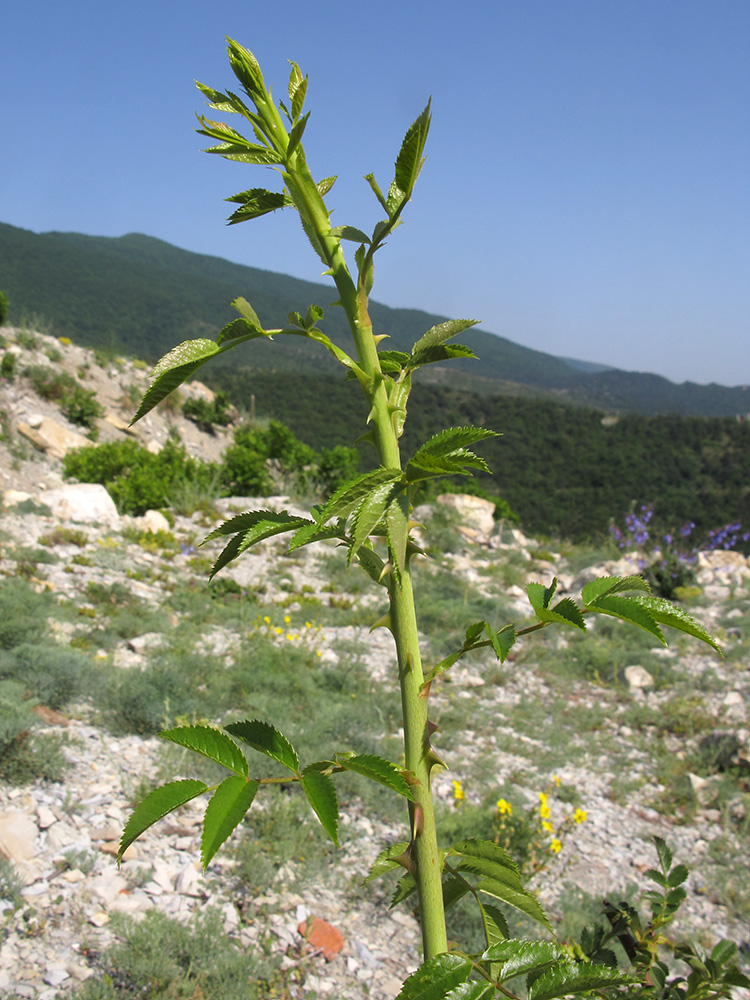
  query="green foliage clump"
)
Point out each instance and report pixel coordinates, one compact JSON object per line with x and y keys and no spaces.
{"x":136,"y":480}
{"x":24,"y":756}
{"x":208,"y":415}
{"x":53,"y":674}
{"x":8,"y":366}
{"x":160,"y":958}
{"x":79,"y":405}
{"x":3,"y":308}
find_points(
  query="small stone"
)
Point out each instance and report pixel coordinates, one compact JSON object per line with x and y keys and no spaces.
{"x":638,"y":678}
{"x":99,"y":919}
{"x":18,"y":833}
{"x":322,"y":936}
{"x":53,"y":977}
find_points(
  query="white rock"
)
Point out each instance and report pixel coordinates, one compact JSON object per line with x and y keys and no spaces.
{"x":152,"y":521}
{"x":638,"y":678}
{"x":87,"y":502}
{"x":18,"y":833}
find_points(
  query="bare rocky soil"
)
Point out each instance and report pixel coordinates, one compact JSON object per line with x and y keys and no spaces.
{"x":61,"y":838}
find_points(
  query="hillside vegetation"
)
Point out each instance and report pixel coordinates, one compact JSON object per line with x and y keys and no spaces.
{"x":139,"y":296}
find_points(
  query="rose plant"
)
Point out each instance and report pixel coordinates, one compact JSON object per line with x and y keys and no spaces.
{"x":369,"y":516}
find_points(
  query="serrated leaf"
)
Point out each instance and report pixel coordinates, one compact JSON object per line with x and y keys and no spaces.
{"x":156,"y":806}
{"x":249,"y":529}
{"x":454,"y":888}
{"x":656,"y":876}
{"x":378,"y":769}
{"x":451,"y":441}
{"x":397,"y":531}
{"x":321,"y":795}
{"x":440,"y":352}
{"x":385,"y":862}
{"x":495,"y":924}
{"x":409,"y":160}
{"x":485,"y":849}
{"x":373,"y":565}
{"x":612,"y":585}
{"x":441,"y":332}
{"x":519,"y":958}
{"x":246,"y":311}
{"x":295,"y":136}
{"x":297,"y":90}
{"x":472,"y":991}
{"x":723,"y":951}
{"x":628,"y":610}
{"x":211,"y":743}
{"x":392,"y":360}
{"x":677,"y":876}
{"x":266,"y":740}
{"x":227,"y":807}
{"x":313,"y":532}
{"x":173,"y":369}
{"x":569,"y":610}
{"x":567,"y":978}
{"x":369,"y":513}
{"x":565,"y":612}
{"x":256,"y":202}
{"x":521,"y":900}
{"x":349,"y":233}
{"x":435,"y":977}
{"x":502,"y":641}
{"x":674,"y":617}
{"x":344,"y":500}
{"x":407,"y":886}
{"x":665,"y":855}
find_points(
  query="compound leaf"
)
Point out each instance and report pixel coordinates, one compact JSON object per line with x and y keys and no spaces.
{"x":227,"y":807}
{"x":211,"y":743}
{"x":378,"y":769}
{"x":266,"y":740}
{"x":155,"y":806}
{"x":435,"y":978}
{"x":321,"y":794}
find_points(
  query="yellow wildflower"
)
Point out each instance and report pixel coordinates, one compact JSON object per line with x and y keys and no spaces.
{"x":287,"y":619}
{"x":544,"y":811}
{"x":555,"y":846}
{"x":458,"y":791}
{"x":504,"y":807}
{"x":580,"y":815}
{"x":546,"y":825}
{"x":266,"y":619}
{"x":556,"y":780}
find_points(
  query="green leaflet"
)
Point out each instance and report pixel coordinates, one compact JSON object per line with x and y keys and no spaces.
{"x":409,"y":160}
{"x":227,"y":807}
{"x":321,"y":795}
{"x":440,"y":333}
{"x":297,"y":90}
{"x":502,"y":641}
{"x":495,"y":924}
{"x":313,"y":532}
{"x":155,"y":806}
{"x":611,"y":585}
{"x":454,"y":888}
{"x":251,"y":527}
{"x":349,"y":494}
{"x":451,"y":440}
{"x":407,"y":886}
{"x":211,"y":743}
{"x":472,"y":991}
{"x":441,"y":352}
{"x":267,"y":740}
{"x":519,"y":958}
{"x":385,"y":861}
{"x":256,"y":202}
{"x":369,"y":513}
{"x":628,"y":610}
{"x":172,"y":370}
{"x":565,"y":611}
{"x":349,"y":233}
{"x":397,"y":530}
{"x":378,"y":769}
{"x":674,"y":617}
{"x":435,"y":978}
{"x":446,"y":454}
{"x":566,"y":978}
{"x":295,"y":136}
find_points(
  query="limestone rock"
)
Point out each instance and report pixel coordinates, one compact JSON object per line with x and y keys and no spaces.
{"x":87,"y":502}
{"x":18,"y":833}
{"x":52,"y":437}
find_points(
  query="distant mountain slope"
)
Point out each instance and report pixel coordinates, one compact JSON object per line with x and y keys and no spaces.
{"x":140,"y":296}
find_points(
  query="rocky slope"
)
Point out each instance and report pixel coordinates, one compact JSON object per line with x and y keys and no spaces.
{"x":603,"y":740}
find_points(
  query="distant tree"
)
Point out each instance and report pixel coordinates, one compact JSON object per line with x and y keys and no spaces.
{"x":3,"y":308}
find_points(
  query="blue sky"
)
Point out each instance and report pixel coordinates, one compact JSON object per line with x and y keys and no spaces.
{"x":585,"y":194}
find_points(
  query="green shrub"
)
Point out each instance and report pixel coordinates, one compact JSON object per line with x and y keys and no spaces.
{"x":8,"y":366}
{"x":3,"y":307}
{"x":208,"y":415}
{"x":48,"y":383}
{"x":22,"y":614}
{"x":24,"y":756}
{"x":136,"y":480}
{"x":81,"y":407}
{"x":53,"y":674}
{"x":160,"y":958}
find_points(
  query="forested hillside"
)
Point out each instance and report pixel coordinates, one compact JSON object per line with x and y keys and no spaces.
{"x":140,"y":296}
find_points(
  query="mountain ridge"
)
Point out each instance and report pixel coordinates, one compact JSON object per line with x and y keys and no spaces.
{"x":142,"y":295}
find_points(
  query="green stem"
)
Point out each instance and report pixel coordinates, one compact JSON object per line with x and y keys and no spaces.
{"x":403,"y":616}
